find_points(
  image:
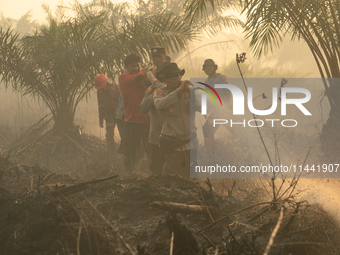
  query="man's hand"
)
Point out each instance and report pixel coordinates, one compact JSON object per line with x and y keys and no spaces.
{"x":181,"y":87}
{"x":151,"y":68}
{"x":153,"y":71}
{"x":101,"y":125}
{"x":148,"y":68}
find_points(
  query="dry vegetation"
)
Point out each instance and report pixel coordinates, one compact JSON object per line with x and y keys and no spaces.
{"x":44,"y":212}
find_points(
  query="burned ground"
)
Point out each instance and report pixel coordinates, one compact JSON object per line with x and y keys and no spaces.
{"x":60,"y":214}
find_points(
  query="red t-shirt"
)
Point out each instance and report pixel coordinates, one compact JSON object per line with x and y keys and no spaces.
{"x":132,"y":93}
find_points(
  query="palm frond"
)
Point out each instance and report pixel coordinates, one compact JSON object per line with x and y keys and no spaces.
{"x":198,"y":9}
{"x":212,"y":24}
{"x":265,"y":22}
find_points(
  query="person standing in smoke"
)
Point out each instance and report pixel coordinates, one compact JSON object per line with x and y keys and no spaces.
{"x":156,"y":155}
{"x":132,"y":91}
{"x":107,"y":95}
{"x":210,"y":68}
{"x":178,"y":135}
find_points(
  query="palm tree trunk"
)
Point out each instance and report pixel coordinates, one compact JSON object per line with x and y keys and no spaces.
{"x":64,"y":120}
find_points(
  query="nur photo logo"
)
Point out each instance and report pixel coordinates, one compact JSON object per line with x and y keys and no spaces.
{"x":288,"y":96}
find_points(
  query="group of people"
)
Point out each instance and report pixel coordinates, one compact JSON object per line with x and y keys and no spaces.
{"x":151,"y":108}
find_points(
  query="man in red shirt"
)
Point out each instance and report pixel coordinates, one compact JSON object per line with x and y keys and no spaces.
{"x":107,"y":95}
{"x":132,"y":91}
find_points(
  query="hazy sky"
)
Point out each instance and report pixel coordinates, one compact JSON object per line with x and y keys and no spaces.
{"x":16,"y":8}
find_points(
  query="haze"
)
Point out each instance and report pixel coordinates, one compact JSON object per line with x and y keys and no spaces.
{"x":17,"y":8}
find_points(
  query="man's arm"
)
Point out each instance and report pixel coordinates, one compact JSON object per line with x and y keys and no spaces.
{"x":195,"y":103}
{"x":162,"y":101}
{"x":148,"y":100}
{"x":181,"y":88}
{"x":155,"y":83}
{"x":128,"y":80}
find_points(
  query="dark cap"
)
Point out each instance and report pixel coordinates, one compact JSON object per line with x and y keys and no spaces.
{"x":169,"y":68}
{"x":157,"y":50}
{"x":209,"y":62}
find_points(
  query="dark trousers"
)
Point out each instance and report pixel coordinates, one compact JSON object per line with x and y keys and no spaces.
{"x":148,"y":150}
{"x":179,"y":162}
{"x":109,"y":136}
{"x":110,"y":122}
{"x":156,"y":158}
{"x":134,"y":151}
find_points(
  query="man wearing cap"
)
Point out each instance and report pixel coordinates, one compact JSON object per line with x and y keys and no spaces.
{"x":173,"y":101}
{"x":158,"y":56}
{"x":132,"y":91}
{"x":210,"y":68}
{"x":107,"y":95}
{"x":147,"y":106}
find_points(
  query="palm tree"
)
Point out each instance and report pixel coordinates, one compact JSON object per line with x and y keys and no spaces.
{"x":22,"y":25}
{"x":211,"y":23}
{"x":58,"y":62}
{"x":317,"y":22}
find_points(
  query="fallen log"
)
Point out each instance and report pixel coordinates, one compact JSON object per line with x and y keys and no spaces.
{"x":78,"y":187}
{"x":180,"y":208}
